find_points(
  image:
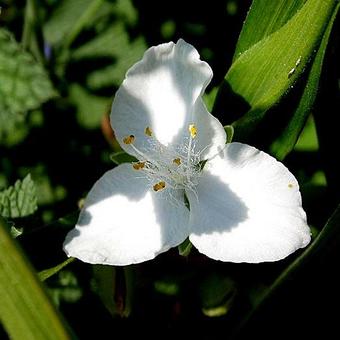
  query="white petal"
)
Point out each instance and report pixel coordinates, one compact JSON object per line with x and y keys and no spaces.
{"x":163,"y":92}
{"x":248,"y":208}
{"x":124,"y":222}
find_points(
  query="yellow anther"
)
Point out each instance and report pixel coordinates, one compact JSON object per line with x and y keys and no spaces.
{"x":177,"y":161}
{"x":159,"y":186}
{"x":148,"y":131}
{"x":192,"y":130}
{"x":290,"y":185}
{"x":138,"y":165}
{"x":129,"y":139}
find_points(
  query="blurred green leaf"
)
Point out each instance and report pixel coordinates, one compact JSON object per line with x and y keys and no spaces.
{"x":19,"y":200}
{"x":127,"y":54}
{"x":90,"y":108}
{"x":308,"y":139}
{"x":262,"y":74}
{"x":65,"y":18}
{"x":122,"y":157}
{"x":25,"y":310}
{"x":167,"y":287}
{"x":24,"y":85}
{"x":216,"y":294}
{"x":286,"y":141}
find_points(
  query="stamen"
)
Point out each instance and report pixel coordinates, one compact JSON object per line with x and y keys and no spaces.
{"x":159,"y":186}
{"x":129,"y":139}
{"x":177,"y":161}
{"x":138,"y":165}
{"x":192,"y":130}
{"x":148,"y":131}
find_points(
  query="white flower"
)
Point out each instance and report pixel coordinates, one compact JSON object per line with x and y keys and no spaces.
{"x":244,"y":206}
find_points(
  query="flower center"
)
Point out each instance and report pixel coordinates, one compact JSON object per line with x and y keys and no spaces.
{"x":169,"y":167}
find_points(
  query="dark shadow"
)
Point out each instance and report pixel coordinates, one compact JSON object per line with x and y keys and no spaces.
{"x":226,"y":210}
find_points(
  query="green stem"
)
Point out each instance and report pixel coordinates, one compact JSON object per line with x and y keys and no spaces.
{"x":32,"y":38}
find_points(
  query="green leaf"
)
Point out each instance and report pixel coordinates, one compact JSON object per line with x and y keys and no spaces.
{"x":65,"y":19}
{"x":127,"y":54}
{"x":217,"y":294}
{"x":266,"y":71}
{"x":286,"y":141}
{"x":229,"y":129}
{"x":19,"y":200}
{"x":185,"y":247}
{"x":24,"y":84}
{"x":120,"y":157}
{"x":90,"y":108}
{"x":45,"y":274}
{"x":263,"y":19}
{"x":25,"y":309}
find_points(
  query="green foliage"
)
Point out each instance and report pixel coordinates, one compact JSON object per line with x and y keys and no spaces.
{"x":24,"y":84}
{"x":19,"y":200}
{"x":286,"y":141}
{"x":263,"y":73}
{"x":25,"y":310}
{"x":273,"y":97}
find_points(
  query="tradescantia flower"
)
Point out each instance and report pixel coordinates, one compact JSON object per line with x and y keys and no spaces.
{"x":234,"y":202}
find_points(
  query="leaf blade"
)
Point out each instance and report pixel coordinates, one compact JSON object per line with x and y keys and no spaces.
{"x":25,"y":310}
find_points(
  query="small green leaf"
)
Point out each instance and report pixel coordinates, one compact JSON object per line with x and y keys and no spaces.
{"x":19,"y":200}
{"x":45,"y":274}
{"x":120,"y":157}
{"x":24,"y":84}
{"x":185,"y":247}
{"x":25,"y":309}
{"x":229,"y":129}
{"x":217,"y":294}
{"x":15,"y":232}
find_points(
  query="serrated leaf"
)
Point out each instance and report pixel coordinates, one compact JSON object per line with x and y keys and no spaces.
{"x":19,"y":200}
{"x":261,"y":75}
{"x":24,"y":84}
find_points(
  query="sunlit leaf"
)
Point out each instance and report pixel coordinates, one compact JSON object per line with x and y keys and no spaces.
{"x":262,"y":74}
{"x":25,"y":310}
{"x":286,"y":141}
{"x":263,"y":19}
{"x":45,"y":274}
{"x":24,"y":84}
{"x":19,"y":200}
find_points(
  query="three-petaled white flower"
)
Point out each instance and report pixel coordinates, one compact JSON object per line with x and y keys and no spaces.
{"x":244,"y":206}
